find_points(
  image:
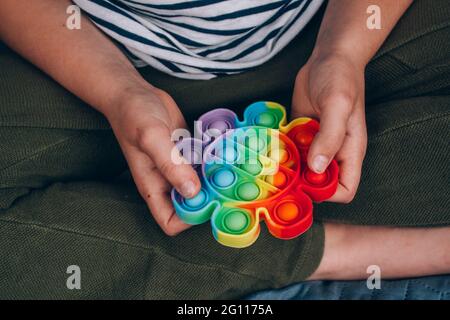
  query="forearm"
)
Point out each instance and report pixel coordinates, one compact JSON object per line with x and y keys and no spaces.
{"x":344,"y":28}
{"x":84,"y":61}
{"x":398,"y":252}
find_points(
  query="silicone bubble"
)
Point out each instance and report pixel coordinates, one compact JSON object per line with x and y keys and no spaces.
{"x":218,"y":119}
{"x":280,"y":155}
{"x":191,"y":150}
{"x":247,"y":191}
{"x":287,"y":211}
{"x":316,"y":178}
{"x":266,"y":119}
{"x":304,"y":139}
{"x":235,"y":221}
{"x":227,"y":153}
{"x":278,"y":180}
{"x":193,"y":157}
{"x":198,"y":201}
{"x":254,"y":170}
{"x":255,"y":143}
{"x":221,"y":125}
{"x":224,"y":178}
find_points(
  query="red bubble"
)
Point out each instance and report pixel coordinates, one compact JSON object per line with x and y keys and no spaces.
{"x":304,"y":139}
{"x":316,"y":178}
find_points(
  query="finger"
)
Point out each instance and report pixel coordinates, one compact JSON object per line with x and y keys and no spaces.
{"x":156,"y":143}
{"x":301,"y":106}
{"x":349,"y":177}
{"x":334,"y":115}
{"x":162,"y":210}
{"x":155,"y":190}
{"x":303,"y":109}
{"x":350,"y":159}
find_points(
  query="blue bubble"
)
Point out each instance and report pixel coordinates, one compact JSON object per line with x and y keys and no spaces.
{"x":229,"y":154}
{"x":197,"y":201}
{"x":224,"y":178}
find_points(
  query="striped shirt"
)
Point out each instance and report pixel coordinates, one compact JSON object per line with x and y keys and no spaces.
{"x":201,"y":39}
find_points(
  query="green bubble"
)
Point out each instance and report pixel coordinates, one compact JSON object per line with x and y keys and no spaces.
{"x":252,"y":168}
{"x":248,"y":191}
{"x":266,"y":119}
{"x":255,"y":143}
{"x":236,"y":221}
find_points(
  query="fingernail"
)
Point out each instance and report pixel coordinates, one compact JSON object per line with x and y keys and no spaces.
{"x":188,"y":189}
{"x":320,"y":164}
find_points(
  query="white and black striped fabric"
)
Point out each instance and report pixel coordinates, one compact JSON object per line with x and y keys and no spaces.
{"x":201,"y":39}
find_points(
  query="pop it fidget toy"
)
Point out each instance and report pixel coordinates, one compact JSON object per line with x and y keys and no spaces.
{"x":253,"y":170}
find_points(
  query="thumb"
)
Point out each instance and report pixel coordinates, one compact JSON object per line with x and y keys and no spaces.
{"x":334,"y":116}
{"x":156,"y":142}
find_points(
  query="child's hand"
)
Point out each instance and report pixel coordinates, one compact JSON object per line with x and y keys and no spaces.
{"x":143,"y":123}
{"x":331,"y":88}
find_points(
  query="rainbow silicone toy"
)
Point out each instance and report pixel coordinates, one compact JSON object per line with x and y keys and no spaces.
{"x":253,"y":170}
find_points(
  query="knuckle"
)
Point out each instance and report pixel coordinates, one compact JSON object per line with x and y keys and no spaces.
{"x":349,"y":196}
{"x":342,"y":98}
{"x":345,"y":103}
{"x":299,"y":77}
{"x":149,"y":135}
{"x":164,"y":96}
{"x":144,"y":136}
{"x":346,"y":200}
{"x":165,"y":225}
{"x":168,"y":169}
{"x":168,"y":230}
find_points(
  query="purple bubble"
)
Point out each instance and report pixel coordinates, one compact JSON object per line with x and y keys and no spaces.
{"x":193,"y":157}
{"x":220,"y":125}
{"x":218,"y":119}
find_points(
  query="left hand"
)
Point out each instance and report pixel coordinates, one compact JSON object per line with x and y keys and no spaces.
{"x":331,"y":88}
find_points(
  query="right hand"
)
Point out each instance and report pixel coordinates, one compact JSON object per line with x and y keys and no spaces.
{"x":330,"y":87}
{"x":143,"y":121}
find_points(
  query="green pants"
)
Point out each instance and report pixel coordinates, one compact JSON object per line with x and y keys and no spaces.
{"x":65,"y":199}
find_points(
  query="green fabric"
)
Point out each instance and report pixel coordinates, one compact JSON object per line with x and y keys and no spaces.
{"x":65,"y":199}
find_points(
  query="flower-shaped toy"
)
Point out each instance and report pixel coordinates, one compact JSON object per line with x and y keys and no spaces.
{"x":253,"y":170}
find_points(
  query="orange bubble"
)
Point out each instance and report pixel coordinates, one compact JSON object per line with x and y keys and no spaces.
{"x":287,"y":211}
{"x":304,"y":138}
{"x":279,"y":155}
{"x":279,"y":179}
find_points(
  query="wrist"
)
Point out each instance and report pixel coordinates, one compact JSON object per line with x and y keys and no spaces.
{"x":341,"y":51}
{"x":126,"y":96}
